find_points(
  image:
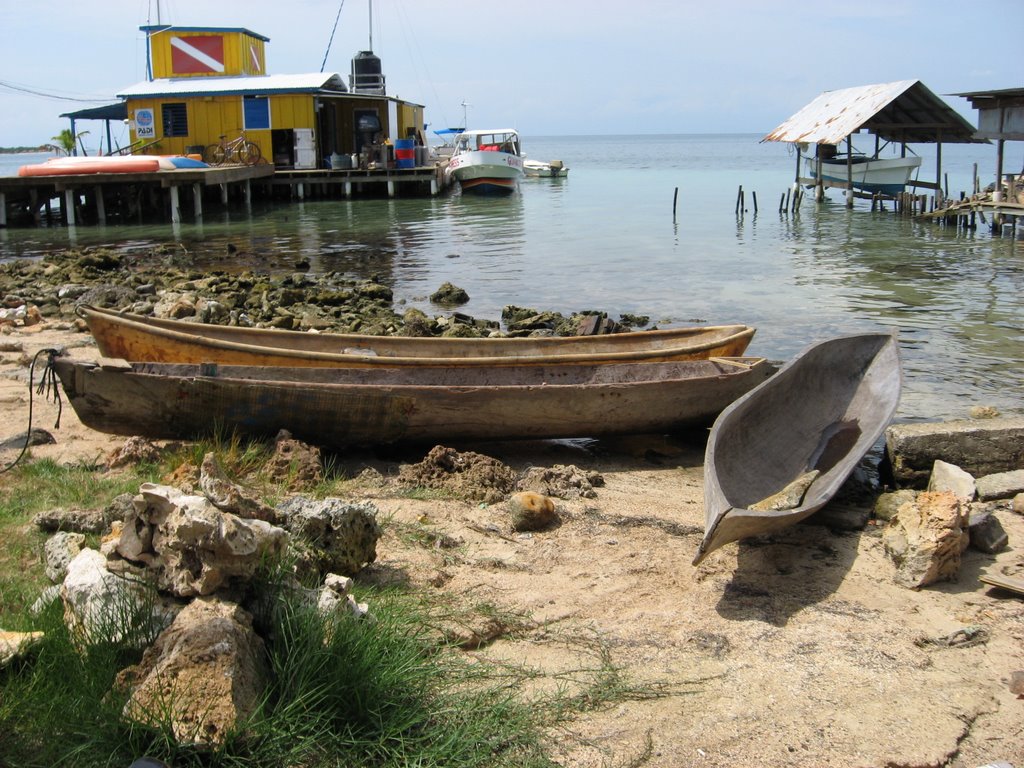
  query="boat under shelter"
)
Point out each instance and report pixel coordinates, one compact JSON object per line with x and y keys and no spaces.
{"x":899,"y":113}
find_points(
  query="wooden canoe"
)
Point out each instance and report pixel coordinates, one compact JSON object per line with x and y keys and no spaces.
{"x":823,"y":411}
{"x":341,"y":407}
{"x":145,"y":339}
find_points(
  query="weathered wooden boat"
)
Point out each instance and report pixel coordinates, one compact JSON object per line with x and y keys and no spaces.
{"x":360,"y":407}
{"x":779,"y":453}
{"x":146,"y":339}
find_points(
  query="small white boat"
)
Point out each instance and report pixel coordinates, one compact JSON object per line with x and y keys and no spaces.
{"x":487,"y":160}
{"x":554,"y":169}
{"x":869,"y":174}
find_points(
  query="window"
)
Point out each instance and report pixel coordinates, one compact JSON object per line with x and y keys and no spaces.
{"x":175,"y":117}
{"x":256,"y":112}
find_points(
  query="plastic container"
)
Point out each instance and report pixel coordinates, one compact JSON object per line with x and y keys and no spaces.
{"x":405,"y":153}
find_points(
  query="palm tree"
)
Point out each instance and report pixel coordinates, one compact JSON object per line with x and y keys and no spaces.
{"x":66,"y":141}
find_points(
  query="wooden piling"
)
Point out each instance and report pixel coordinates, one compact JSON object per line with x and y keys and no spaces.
{"x":675,"y":197}
{"x":753,"y":194}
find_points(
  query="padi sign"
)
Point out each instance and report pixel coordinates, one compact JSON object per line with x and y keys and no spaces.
{"x":145,"y":124}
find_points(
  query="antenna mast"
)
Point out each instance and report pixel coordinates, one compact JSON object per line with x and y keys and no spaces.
{"x":371,"y":24}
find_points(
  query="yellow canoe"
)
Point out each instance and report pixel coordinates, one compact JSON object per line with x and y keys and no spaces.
{"x":138,"y":338}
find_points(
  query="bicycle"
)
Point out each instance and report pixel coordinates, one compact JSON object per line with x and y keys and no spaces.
{"x":240,"y":150}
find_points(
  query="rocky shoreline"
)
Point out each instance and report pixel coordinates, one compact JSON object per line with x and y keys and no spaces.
{"x":865,"y":637}
{"x":162,"y":281}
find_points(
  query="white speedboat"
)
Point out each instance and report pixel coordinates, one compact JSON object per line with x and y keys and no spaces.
{"x":869,"y":174}
{"x":487,"y":161}
{"x":554,"y":169}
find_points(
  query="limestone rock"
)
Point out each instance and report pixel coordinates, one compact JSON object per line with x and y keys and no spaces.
{"x":987,"y":533}
{"x":334,"y":599}
{"x":449,"y":295}
{"x":14,"y":645}
{"x":76,"y":520}
{"x":981,"y":447}
{"x":532,"y":511}
{"x":295,"y":464}
{"x":563,"y":481}
{"x":949,"y":477}
{"x":332,"y":535}
{"x":60,"y":549}
{"x":136,"y":450}
{"x":193,"y":547}
{"x":1001,"y":485}
{"x":99,"y":604}
{"x":888,"y":503}
{"x":926,"y":538}
{"x":1018,"y":504}
{"x":231,"y":497}
{"x":203,"y":676}
{"x":465,"y":474}
{"x":790,"y":496}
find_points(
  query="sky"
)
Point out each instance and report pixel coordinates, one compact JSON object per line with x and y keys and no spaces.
{"x":545,"y":67}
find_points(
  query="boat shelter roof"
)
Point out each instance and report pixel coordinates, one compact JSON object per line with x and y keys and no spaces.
{"x":488,"y":131}
{"x":905,"y":111}
{"x":227,"y":86}
{"x":117,"y":111}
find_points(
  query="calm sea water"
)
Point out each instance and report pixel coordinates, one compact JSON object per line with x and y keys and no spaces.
{"x":605,"y":238}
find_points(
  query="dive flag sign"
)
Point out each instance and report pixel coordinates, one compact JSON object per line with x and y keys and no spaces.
{"x":197,"y":55}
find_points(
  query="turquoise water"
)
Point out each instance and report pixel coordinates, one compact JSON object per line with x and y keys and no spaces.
{"x":605,"y":238}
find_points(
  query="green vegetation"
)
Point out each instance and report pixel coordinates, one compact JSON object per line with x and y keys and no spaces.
{"x":19,"y":150}
{"x":394,"y":692}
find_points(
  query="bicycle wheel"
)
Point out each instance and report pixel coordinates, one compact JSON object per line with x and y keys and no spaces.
{"x":215,"y":154}
{"x":248,"y":153}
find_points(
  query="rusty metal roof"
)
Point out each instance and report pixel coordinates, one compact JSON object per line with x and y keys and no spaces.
{"x":904,"y":111}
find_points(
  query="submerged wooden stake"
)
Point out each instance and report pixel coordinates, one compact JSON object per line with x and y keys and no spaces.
{"x":675,"y":197}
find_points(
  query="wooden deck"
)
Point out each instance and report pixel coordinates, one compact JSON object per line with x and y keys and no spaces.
{"x":129,"y":197}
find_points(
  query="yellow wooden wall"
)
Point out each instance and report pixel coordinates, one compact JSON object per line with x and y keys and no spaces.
{"x":238,"y":53}
{"x":209,"y":117}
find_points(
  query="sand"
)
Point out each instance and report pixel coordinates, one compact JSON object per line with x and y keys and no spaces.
{"x":797,"y":650}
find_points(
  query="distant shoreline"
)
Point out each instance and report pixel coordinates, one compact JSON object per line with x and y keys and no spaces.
{"x":23,"y":150}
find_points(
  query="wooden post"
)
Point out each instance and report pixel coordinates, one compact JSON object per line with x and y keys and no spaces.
{"x":101,"y":211}
{"x":753,"y":194}
{"x":938,"y":165}
{"x":175,"y":209}
{"x":675,"y":197}
{"x":796,"y":178}
{"x":997,"y":194}
{"x":197,"y":200}
{"x":849,"y":171}
{"x":782,"y":202}
{"x":69,"y":205}
{"x":975,"y":187}
{"x":739,"y":198}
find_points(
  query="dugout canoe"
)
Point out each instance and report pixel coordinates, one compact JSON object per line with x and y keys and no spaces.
{"x":138,"y":338}
{"x":342,"y":407}
{"x":822,"y":412}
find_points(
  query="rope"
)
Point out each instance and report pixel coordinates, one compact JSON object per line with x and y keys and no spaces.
{"x":48,"y":387}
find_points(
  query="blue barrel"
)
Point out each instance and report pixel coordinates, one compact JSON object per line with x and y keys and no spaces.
{"x":405,"y":153}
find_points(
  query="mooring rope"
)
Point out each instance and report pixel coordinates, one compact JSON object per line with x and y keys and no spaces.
{"x":48,"y":387}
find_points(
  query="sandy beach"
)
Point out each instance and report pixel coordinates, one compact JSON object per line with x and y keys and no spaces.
{"x":798,"y":650}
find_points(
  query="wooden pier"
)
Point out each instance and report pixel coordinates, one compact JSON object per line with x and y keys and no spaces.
{"x":174,"y":196}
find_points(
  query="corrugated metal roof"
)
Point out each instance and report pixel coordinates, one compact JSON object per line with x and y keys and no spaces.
{"x":903,"y":111}
{"x":175,"y":28}
{"x":223,"y":86}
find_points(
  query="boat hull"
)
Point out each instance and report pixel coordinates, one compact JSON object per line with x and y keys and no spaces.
{"x":887,"y":176}
{"x":350,"y":407}
{"x":146,"y":339}
{"x":486,"y":171}
{"x":823,"y":411}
